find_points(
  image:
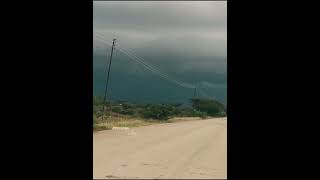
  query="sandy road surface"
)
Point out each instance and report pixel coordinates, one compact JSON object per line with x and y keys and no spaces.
{"x":191,"y":149}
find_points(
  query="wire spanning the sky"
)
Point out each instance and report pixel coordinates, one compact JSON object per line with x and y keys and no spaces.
{"x":154,"y":69}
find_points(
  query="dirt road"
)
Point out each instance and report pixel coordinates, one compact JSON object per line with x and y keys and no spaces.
{"x":191,"y":149}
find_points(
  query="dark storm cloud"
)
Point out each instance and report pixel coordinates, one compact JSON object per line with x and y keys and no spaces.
{"x":185,"y":39}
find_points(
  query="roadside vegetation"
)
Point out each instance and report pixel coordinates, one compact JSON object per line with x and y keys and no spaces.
{"x":123,"y":113}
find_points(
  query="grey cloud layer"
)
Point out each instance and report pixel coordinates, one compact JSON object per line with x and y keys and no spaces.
{"x":158,"y":15}
{"x":191,"y":36}
{"x":192,"y":24}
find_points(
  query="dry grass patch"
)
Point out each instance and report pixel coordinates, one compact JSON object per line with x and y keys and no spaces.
{"x":126,"y":121}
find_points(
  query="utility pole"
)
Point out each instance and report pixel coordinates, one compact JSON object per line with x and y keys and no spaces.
{"x":195,"y":92}
{"x":106,"y":89}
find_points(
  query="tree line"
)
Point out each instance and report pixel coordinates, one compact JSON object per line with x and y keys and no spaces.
{"x":161,"y":111}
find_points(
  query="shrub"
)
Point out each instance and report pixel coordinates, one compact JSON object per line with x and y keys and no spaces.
{"x":160,"y":112}
{"x":128,"y":112}
{"x":211,"y":107}
{"x":117,"y":109}
{"x":200,"y":108}
{"x":203,"y":115}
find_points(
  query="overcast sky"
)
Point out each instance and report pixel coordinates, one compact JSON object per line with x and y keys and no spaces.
{"x":189,"y":26}
{"x":190,"y":35}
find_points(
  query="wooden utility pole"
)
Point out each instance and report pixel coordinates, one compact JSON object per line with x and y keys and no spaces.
{"x":106,"y":89}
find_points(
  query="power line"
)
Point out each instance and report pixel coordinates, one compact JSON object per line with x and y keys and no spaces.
{"x":161,"y":75}
{"x":153,"y":69}
{"x":130,"y":53}
{"x":180,"y":82}
{"x":141,"y":60}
